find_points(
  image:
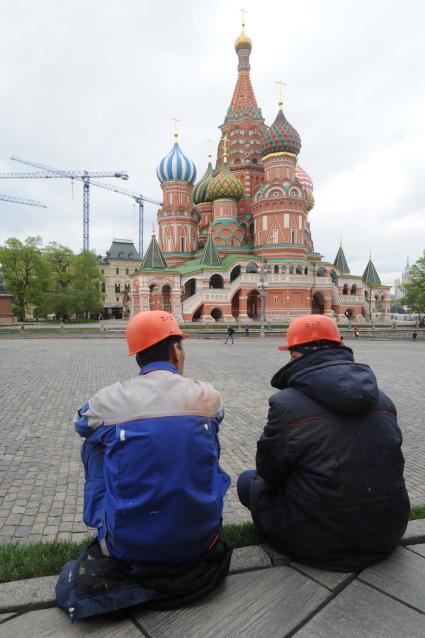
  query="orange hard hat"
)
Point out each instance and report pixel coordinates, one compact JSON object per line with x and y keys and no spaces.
{"x":148,"y":328}
{"x":311,"y":328}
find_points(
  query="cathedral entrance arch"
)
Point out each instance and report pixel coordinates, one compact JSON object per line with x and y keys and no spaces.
{"x":166,"y":298}
{"x":318,"y":304}
{"x":216,"y":281}
{"x":253,"y":304}
{"x":189,"y":289}
{"x":349,"y":313}
{"x":236,"y":272}
{"x":197,"y":315}
{"x":216,"y":314}
{"x":235,"y":304}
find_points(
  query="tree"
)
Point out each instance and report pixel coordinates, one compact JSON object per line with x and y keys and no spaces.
{"x":59,"y":299}
{"x":26,"y":273}
{"x":414,"y":290}
{"x":85,"y":285}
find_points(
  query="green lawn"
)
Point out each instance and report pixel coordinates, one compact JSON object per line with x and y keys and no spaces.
{"x":19,"y":561}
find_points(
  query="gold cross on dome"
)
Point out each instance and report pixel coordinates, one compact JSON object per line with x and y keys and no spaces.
{"x":280,"y":85}
{"x":225,"y":148}
{"x":244,"y":11}
{"x":176,"y":132}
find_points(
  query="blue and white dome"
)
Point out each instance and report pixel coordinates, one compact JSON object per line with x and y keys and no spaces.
{"x":175,"y":165}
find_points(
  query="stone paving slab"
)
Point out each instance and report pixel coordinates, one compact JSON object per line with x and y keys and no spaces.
{"x":418,"y":549}
{"x":4,"y":617}
{"x":44,"y":381}
{"x":402,"y":576}
{"x":246,"y":559}
{"x":33,"y":593}
{"x":54,"y":623}
{"x":331,"y":580}
{"x":262,"y":604}
{"x":362,"y":612}
{"x":415,"y":532}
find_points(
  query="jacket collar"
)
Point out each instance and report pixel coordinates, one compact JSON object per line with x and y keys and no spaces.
{"x":283,"y":378}
{"x":159,"y":365}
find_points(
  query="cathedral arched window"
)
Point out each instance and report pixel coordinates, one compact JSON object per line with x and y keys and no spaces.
{"x":276,"y":270}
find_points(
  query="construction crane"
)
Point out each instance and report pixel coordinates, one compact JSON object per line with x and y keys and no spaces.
{"x":21,"y":200}
{"x":84,"y":176}
{"x":139,"y":198}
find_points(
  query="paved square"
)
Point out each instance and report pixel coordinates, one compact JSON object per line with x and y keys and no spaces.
{"x":44,"y":381}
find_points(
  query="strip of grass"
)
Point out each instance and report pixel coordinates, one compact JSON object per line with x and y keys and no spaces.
{"x":19,"y":561}
{"x":417,"y":512}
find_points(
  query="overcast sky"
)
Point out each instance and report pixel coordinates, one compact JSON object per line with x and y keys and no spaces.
{"x":93,"y":85}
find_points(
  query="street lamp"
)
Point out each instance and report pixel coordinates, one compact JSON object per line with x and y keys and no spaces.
{"x":262,"y":284}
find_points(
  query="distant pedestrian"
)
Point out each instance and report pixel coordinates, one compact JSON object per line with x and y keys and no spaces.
{"x":414,"y":335}
{"x":230,"y":333}
{"x":247,"y":330}
{"x":356,"y":332}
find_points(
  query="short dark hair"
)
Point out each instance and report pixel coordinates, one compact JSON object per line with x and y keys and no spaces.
{"x":160,"y":351}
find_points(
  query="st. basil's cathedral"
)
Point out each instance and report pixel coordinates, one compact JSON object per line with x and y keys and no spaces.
{"x":240,"y":236}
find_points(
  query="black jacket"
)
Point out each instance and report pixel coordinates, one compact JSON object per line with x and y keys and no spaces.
{"x":331,"y":457}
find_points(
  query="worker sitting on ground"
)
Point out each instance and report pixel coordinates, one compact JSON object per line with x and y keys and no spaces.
{"x":329,"y":488}
{"x":154,"y":487}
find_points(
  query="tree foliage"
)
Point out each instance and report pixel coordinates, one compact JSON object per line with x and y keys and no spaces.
{"x":86,"y":279}
{"x":51,"y":280}
{"x":414,"y":290}
{"x":26,"y":273}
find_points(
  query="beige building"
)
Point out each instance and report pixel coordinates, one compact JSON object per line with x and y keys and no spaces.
{"x":117,"y":267}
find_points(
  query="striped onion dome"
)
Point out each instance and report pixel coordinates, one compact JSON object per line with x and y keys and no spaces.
{"x":304,"y":178}
{"x":225,"y":185}
{"x":281,"y":137}
{"x":199,"y":194}
{"x":176,"y":166}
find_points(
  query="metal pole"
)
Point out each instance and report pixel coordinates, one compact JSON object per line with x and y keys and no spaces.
{"x":141,"y":222}
{"x":86,"y":213}
{"x":262,"y":296}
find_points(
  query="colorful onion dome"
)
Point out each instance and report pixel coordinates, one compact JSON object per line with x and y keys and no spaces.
{"x":225,"y":185}
{"x":243,"y":41}
{"x":176,"y":166}
{"x":310,"y":200}
{"x":281,"y":137}
{"x":199,"y":194}
{"x":304,"y":178}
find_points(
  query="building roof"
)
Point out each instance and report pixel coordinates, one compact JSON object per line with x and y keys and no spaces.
{"x":199,"y":194}
{"x":176,"y":166}
{"x":370,"y":275}
{"x":210,"y":256}
{"x":281,"y":137}
{"x":154,"y":259}
{"x":340,"y":261}
{"x":122,"y":249}
{"x":243,"y":102}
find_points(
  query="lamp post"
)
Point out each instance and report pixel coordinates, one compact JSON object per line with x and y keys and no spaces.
{"x":370,"y":308}
{"x":262,"y":285}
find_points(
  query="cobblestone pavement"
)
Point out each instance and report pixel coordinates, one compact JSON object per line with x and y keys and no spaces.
{"x":44,"y":381}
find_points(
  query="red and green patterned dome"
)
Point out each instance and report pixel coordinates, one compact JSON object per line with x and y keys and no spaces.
{"x":199,"y":194}
{"x":224,"y":186}
{"x":281,"y":137}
